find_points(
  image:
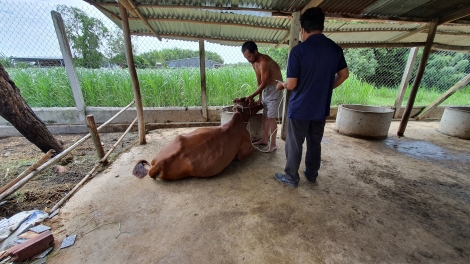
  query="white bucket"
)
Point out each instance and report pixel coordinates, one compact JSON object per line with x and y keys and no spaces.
{"x":455,"y":121}
{"x":255,"y":124}
{"x":362,"y":121}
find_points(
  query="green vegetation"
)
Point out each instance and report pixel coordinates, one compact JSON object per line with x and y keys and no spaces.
{"x":49,"y":87}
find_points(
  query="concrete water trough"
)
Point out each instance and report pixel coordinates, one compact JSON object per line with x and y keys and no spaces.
{"x":362,"y":121}
{"x":255,"y":124}
{"x":455,"y":122}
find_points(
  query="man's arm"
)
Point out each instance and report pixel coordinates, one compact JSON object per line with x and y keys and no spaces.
{"x":290,"y":84}
{"x":341,"y":76}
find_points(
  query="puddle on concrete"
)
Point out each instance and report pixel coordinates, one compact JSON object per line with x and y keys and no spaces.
{"x":425,"y":150}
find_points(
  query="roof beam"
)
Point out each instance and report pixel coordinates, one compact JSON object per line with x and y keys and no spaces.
{"x":210,"y":23}
{"x":375,"y":18}
{"x":312,"y":3}
{"x":437,"y":46}
{"x":283,"y":39}
{"x":228,"y":8}
{"x":102,"y":9}
{"x":129,"y":5}
{"x":402,"y":36}
{"x":197,"y":38}
{"x":454,"y":16}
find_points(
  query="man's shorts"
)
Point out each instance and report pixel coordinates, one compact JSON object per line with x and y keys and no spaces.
{"x":271,"y":101}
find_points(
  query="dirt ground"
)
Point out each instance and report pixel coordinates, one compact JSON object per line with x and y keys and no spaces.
{"x":398,"y":200}
{"x":45,"y":190}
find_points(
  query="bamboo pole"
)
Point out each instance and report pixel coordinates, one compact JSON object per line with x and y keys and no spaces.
{"x":31,"y":168}
{"x":105,"y":158}
{"x":19,"y":184}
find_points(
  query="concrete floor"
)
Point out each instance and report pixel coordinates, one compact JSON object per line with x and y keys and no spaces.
{"x":395,"y":200}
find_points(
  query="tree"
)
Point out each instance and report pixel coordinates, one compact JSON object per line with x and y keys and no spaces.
{"x":176,"y":54}
{"x":14,"y":109}
{"x":444,"y":70}
{"x":391,"y":64}
{"x":279,"y":55}
{"x":361,"y":62}
{"x":86,"y":35}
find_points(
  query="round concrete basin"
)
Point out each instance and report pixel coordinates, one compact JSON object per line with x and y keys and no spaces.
{"x":362,"y":121}
{"x":455,"y":121}
{"x":255,"y":124}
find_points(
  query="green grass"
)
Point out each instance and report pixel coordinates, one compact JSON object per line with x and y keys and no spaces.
{"x":49,"y":87}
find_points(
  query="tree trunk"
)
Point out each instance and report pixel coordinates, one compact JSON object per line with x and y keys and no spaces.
{"x":14,"y":109}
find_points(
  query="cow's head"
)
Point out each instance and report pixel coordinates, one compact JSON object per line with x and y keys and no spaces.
{"x":241,"y":105}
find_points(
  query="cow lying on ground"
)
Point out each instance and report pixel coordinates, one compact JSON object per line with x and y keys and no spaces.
{"x":204,"y":152}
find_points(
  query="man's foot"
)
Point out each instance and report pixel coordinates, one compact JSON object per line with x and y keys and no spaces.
{"x":282,"y":178}
{"x":270,"y":149}
{"x":260,"y":142}
{"x":310,"y":178}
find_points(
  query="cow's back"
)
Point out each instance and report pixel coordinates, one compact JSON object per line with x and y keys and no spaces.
{"x":201,"y":153}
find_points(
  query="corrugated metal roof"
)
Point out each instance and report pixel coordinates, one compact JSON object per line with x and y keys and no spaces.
{"x":267,"y":22}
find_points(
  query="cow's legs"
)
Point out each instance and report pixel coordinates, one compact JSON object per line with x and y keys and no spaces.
{"x":245,"y":146}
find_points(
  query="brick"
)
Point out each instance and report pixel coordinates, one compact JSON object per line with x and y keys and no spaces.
{"x":32,"y":247}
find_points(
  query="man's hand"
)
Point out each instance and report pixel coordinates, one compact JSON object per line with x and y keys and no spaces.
{"x":280,"y":86}
{"x":250,"y":101}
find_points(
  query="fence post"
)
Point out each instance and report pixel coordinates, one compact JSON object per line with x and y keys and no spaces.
{"x":404,"y":80}
{"x":293,"y":41}
{"x":202,"y":67}
{"x":70,"y":69}
{"x":96,"y":137}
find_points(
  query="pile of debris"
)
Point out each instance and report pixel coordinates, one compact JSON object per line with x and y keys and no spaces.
{"x":24,"y":238}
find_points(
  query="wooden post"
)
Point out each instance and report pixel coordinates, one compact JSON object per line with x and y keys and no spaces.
{"x":202,"y":68}
{"x":133,"y":73}
{"x":459,"y":85}
{"x":70,"y":69}
{"x":404,"y":80}
{"x":419,"y":76}
{"x":95,"y":136}
{"x":293,"y":41}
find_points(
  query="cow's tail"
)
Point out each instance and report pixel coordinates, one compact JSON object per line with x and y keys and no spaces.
{"x":140,"y":170}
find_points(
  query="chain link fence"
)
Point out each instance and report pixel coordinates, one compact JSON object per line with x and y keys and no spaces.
{"x":168,"y":70}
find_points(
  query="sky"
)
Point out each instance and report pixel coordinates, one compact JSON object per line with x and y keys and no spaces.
{"x":26,"y":30}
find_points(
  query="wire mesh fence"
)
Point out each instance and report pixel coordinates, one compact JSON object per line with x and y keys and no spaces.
{"x":168,"y":70}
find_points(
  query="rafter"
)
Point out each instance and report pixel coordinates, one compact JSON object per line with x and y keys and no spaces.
{"x":312,"y":3}
{"x":211,"y":23}
{"x":129,"y":5}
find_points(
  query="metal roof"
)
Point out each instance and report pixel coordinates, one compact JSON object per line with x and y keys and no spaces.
{"x":358,"y":23}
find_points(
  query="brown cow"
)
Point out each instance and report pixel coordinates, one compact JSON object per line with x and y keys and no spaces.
{"x":204,"y":152}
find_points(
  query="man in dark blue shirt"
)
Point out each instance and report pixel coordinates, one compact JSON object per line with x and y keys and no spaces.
{"x":315,"y":67}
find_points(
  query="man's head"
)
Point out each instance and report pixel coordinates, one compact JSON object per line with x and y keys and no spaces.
{"x":312,"y":19}
{"x":250,"y":51}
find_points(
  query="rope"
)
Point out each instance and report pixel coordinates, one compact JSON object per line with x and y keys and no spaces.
{"x":270,"y":136}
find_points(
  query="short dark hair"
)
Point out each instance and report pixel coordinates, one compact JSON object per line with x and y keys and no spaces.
{"x":312,"y":19}
{"x":249,"y":45}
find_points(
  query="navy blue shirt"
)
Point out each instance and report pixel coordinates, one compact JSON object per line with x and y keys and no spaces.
{"x":314,"y":63}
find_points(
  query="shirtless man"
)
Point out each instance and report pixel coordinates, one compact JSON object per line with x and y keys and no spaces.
{"x":267,"y":74}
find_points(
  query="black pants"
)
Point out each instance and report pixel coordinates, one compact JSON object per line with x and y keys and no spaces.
{"x":297,"y":131}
